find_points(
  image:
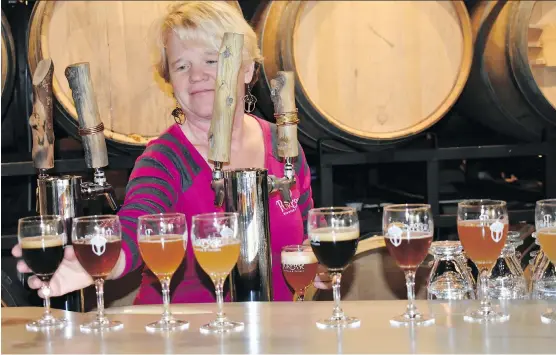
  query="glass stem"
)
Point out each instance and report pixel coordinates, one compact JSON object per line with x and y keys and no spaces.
{"x":219,"y":286}
{"x":410,"y":285}
{"x":300,"y":296}
{"x":99,"y":286}
{"x":166,"y":315}
{"x":337,"y":313}
{"x":485,"y":302}
{"x":45,"y":288}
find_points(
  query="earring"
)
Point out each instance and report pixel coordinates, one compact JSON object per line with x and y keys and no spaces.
{"x":179,"y":116}
{"x":249,"y":100}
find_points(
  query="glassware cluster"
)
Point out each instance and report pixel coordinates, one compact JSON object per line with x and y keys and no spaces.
{"x":333,"y":235}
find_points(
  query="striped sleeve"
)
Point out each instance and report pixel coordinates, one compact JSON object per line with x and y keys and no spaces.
{"x":303,"y":174}
{"x":160,"y":175}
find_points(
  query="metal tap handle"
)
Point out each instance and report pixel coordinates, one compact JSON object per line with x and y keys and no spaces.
{"x":91,"y":128}
{"x":41,"y":118}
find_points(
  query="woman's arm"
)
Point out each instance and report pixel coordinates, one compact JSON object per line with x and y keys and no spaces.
{"x":154,"y":187}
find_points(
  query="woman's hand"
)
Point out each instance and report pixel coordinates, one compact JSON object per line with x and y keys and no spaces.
{"x":322,"y":279}
{"x":69,"y":277}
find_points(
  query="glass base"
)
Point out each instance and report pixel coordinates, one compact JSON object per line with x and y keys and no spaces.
{"x":47,"y":323}
{"x":418,"y":319}
{"x":172,"y":324}
{"x":482,"y":316}
{"x":338,"y":322}
{"x":549,"y":317}
{"x":101,"y":326}
{"x":221,"y":327}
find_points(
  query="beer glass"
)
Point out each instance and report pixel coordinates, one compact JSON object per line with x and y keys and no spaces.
{"x":97,"y":242}
{"x":299,"y":266}
{"x":162,"y":242}
{"x":42,"y":240}
{"x":483,"y":230}
{"x":334,"y":235}
{"x":545,"y":224}
{"x":408,"y":230}
{"x":216,"y":245}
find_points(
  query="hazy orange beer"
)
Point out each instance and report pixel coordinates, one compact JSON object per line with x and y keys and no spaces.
{"x":218,"y":261}
{"x":163,"y":253}
{"x":478,"y":243}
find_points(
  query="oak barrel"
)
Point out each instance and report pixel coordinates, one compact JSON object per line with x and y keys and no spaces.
{"x":512,"y":84}
{"x":368,"y":73}
{"x":135,"y":104}
{"x":8,"y":63}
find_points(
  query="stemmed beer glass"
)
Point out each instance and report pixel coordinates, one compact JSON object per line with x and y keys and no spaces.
{"x":483,"y":230}
{"x":217,"y":245}
{"x":42,"y":240}
{"x":545,"y":224}
{"x":334,"y":235}
{"x":97,"y":242}
{"x":162,"y":242}
{"x":299,"y":266}
{"x":408,"y":231}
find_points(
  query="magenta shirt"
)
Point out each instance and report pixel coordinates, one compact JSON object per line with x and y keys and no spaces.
{"x":171,"y":176}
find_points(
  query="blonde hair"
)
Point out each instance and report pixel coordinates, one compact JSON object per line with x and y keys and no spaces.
{"x":206,"y":22}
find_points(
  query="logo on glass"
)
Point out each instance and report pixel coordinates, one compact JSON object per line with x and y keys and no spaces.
{"x":98,"y":243}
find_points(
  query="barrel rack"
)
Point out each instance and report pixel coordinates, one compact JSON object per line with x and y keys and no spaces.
{"x":432,"y":157}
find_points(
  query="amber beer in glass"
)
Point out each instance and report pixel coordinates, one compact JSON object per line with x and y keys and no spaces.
{"x":97,"y":242}
{"x":483,"y":230}
{"x":408,"y":232}
{"x":545,"y":224}
{"x":42,"y":240}
{"x":162,"y":242}
{"x":216,"y":245}
{"x":334,"y":235}
{"x":299,"y":266}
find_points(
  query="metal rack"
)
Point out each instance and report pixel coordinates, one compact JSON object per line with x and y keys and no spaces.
{"x":432,"y":157}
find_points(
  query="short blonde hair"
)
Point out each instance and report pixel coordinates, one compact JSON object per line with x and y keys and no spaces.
{"x":204,"y":21}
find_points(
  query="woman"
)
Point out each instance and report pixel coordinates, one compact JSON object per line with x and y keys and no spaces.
{"x":174,"y":175}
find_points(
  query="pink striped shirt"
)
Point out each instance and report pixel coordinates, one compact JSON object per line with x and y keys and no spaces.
{"x":171,"y":176}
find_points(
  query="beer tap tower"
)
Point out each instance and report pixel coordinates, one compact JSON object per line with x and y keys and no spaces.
{"x":64,"y":195}
{"x":246,"y":191}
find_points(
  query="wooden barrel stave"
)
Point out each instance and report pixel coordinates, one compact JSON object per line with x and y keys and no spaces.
{"x":283,"y":21}
{"x":8,"y":63}
{"x":114,"y":37}
{"x":492,"y":95}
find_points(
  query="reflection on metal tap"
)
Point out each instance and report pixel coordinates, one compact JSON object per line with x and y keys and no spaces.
{"x":92,"y":190}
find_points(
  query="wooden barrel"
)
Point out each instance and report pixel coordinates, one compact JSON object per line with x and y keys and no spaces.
{"x":8,"y":63}
{"x":135,"y":104}
{"x":368,"y":73}
{"x":512,"y":84}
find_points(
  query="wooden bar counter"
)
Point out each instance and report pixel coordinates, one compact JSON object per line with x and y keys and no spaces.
{"x":290,"y":328}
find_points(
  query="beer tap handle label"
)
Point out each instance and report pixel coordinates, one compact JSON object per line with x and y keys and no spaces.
{"x":41,"y":118}
{"x":91,"y":128}
{"x":230,"y":59}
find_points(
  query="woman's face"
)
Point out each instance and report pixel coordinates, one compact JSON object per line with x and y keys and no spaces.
{"x":193,"y":67}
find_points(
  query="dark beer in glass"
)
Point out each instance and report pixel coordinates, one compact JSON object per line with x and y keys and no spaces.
{"x":97,"y":244}
{"x":333,"y":234}
{"x":42,"y":240}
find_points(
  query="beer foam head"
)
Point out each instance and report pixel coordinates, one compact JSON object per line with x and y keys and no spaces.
{"x":298,"y":257}
{"x":46,"y":241}
{"x":334,"y":234}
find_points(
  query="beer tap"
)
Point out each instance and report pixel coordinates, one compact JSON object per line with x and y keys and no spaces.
{"x":283,"y":96}
{"x":220,"y":134}
{"x":40,"y":120}
{"x":91,"y":130}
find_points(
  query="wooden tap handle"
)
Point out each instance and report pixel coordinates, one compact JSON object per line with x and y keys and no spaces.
{"x":41,"y":119}
{"x":225,"y":96}
{"x":285,"y":112}
{"x":90,"y":124}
